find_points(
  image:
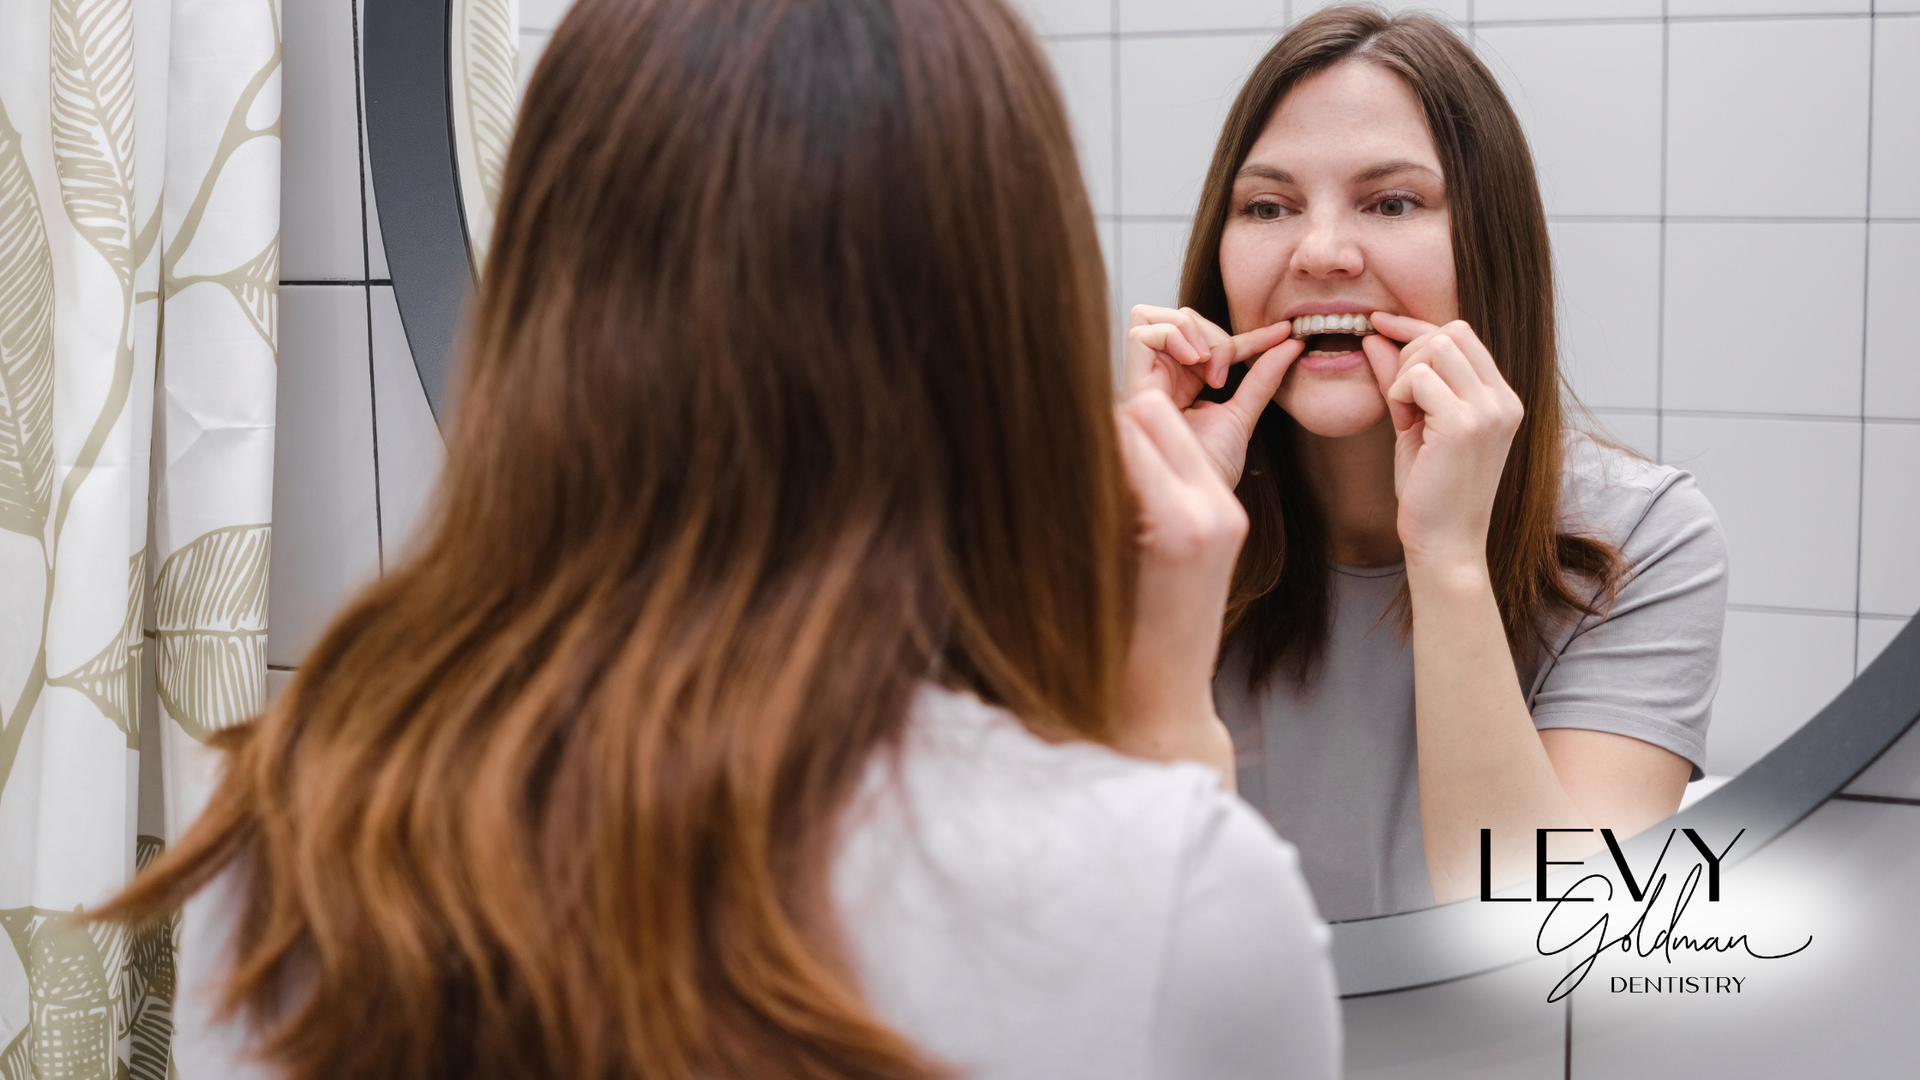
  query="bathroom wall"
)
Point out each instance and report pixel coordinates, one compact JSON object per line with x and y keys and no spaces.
{"x":1734,"y":190}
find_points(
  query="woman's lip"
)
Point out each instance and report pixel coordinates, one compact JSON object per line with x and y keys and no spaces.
{"x":1345,"y":361}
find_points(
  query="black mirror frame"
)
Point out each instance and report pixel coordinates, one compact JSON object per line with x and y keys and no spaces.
{"x":416,"y":183}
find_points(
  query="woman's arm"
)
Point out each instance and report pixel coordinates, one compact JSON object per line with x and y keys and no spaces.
{"x":1190,"y":531}
{"x":1483,"y":764}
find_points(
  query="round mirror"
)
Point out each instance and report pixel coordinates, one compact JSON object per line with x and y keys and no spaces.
{"x":442,"y":83}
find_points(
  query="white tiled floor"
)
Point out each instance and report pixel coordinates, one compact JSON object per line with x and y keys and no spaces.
{"x":1764,"y":317}
{"x":1787,"y":492}
{"x":1742,"y":93}
{"x":1595,"y":153}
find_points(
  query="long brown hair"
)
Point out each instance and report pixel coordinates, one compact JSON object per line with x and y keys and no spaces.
{"x":1279,"y":611}
{"x":788,"y":385}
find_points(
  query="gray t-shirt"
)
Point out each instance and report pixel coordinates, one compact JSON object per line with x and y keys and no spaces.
{"x":1334,"y":765}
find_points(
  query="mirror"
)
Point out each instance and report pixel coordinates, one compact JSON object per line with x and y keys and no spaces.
{"x":442,"y":80}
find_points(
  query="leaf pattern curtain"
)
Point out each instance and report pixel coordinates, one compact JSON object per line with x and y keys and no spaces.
{"x":139,"y":255}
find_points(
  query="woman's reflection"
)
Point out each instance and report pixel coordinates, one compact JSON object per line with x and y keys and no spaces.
{"x":1455,"y":611}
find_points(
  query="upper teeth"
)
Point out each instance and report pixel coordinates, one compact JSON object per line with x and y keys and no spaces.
{"x":1307,"y":325}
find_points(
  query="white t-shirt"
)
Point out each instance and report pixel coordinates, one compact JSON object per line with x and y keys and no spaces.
{"x":1025,"y":911}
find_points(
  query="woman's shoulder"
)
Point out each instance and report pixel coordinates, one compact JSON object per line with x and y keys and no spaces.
{"x":1613,"y":493}
{"x":973,"y":771}
{"x":1012,"y":904}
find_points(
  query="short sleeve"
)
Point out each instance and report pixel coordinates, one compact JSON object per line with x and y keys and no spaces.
{"x":1247,"y":989}
{"x":1650,"y":666}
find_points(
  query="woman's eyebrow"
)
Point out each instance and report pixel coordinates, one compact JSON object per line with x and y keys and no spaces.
{"x":1391,"y":168}
{"x":1264,"y":172}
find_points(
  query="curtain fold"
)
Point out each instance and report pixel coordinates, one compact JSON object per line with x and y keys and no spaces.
{"x":139,"y":260}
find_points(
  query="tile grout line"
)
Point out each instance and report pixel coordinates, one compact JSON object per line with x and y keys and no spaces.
{"x":1866,"y":311}
{"x":366,"y":273}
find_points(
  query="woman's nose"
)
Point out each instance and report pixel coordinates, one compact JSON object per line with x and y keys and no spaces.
{"x":1328,"y":248}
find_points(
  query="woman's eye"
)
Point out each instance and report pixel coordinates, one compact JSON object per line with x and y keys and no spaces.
{"x":1395,"y":207}
{"x":1266,"y":211}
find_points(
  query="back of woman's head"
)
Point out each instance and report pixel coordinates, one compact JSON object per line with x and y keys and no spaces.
{"x":787,"y":389}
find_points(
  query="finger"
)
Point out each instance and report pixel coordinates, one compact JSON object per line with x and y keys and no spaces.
{"x":1384,"y":357}
{"x":1263,"y":380}
{"x":1400,"y":327}
{"x":1423,"y":387}
{"x":1475,"y":352}
{"x":1446,"y":357}
{"x":1163,"y":424}
{"x":1142,"y":314}
{"x":1243,"y":347}
{"x":1152,"y":479}
{"x":1169,"y":339}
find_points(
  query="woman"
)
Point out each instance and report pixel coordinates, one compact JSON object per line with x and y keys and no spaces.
{"x":1455,"y":617}
{"x":741,"y":716}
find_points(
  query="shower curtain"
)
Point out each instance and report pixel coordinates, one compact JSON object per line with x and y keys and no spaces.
{"x":139,"y":254}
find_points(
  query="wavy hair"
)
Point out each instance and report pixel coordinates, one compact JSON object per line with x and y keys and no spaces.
{"x":788,"y":386}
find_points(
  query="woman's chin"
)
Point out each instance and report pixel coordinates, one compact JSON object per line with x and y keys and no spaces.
{"x":1336,"y":412}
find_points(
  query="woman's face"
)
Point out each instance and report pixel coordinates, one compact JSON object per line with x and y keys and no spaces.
{"x":1339,"y":210}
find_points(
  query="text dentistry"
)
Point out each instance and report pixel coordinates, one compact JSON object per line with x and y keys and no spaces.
{"x":1675,"y":984}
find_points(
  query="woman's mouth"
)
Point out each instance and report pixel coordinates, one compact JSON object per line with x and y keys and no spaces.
{"x":1328,"y":336}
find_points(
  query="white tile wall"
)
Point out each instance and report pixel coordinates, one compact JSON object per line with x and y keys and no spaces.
{"x":319,"y":144}
{"x":1893,"y":351}
{"x":1779,"y":669}
{"x":1060,"y":16}
{"x":1174,"y":93}
{"x":1767,"y":117}
{"x":1151,"y":254}
{"x":411,"y":449}
{"x":1876,"y":633}
{"x":1539,"y":10}
{"x":1787,"y":492}
{"x":1686,"y":8}
{"x":1637,"y":431}
{"x":325,"y":516}
{"x":1150,"y":15}
{"x":1890,"y":520}
{"x":1084,"y":67}
{"x":1608,"y":279}
{"x":1896,"y":103}
{"x":1596,"y":153}
{"x":1765,"y":317}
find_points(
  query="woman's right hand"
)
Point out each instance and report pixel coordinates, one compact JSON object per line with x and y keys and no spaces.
{"x":1190,"y":531}
{"x":1180,"y":353}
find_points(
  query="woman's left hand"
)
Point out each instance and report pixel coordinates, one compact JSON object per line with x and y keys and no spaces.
{"x":1454,"y":418}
